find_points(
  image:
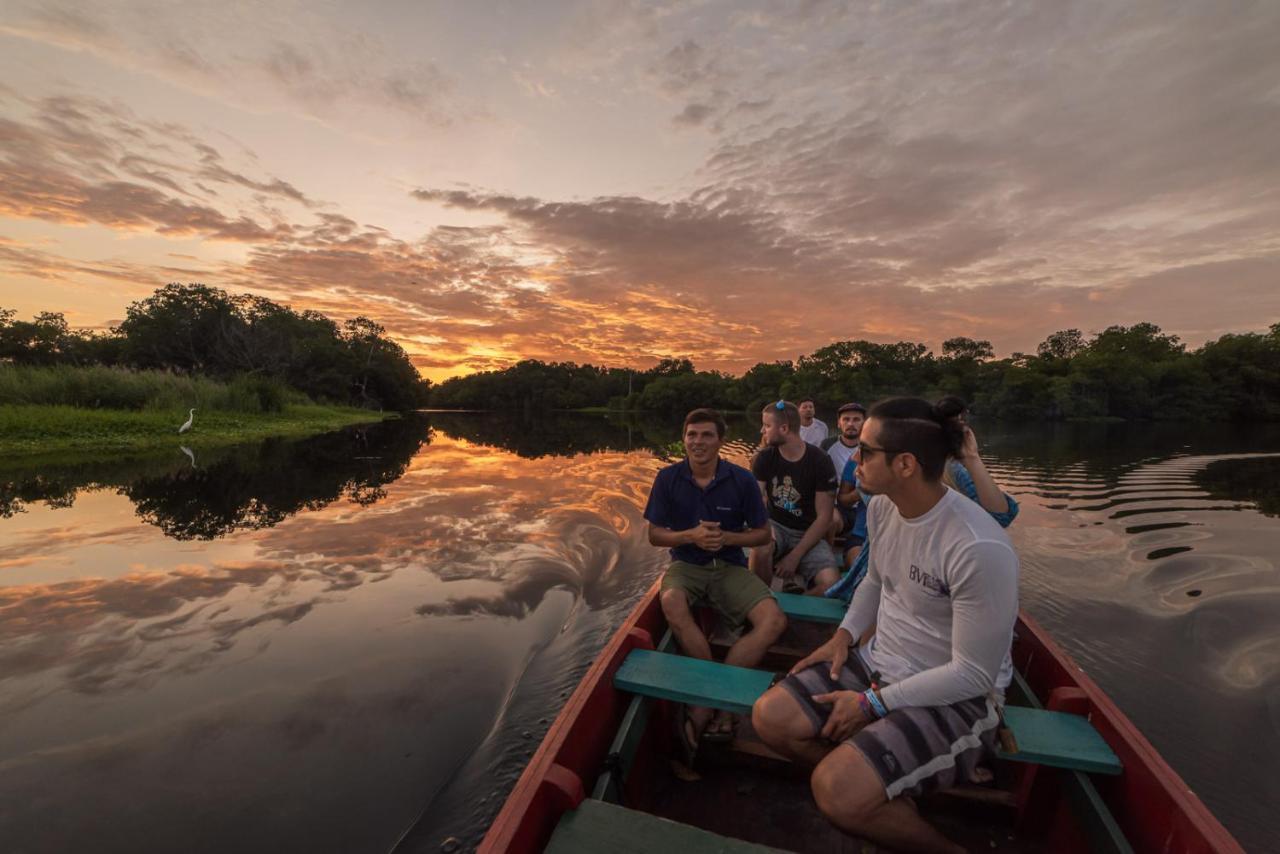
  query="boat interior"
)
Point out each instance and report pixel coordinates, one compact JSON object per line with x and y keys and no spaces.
{"x":741,"y":795}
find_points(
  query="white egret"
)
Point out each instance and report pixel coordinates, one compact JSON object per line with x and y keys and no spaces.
{"x":190,"y":454}
{"x":185,"y":427}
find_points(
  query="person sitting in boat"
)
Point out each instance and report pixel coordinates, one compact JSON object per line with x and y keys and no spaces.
{"x":798,"y":482}
{"x":706,"y":510}
{"x":850,"y":517}
{"x":965,"y":473}
{"x":812,"y":430}
{"x":916,"y":709}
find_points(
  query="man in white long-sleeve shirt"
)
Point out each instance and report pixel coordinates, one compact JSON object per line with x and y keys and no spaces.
{"x":915,"y":710}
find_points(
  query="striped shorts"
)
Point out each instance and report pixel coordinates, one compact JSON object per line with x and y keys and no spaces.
{"x":915,"y":750}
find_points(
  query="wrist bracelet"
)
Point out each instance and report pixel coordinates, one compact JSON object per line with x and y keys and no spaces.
{"x":876,"y":705}
{"x":865,"y":706}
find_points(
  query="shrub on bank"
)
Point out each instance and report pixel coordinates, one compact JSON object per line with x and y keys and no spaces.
{"x":100,"y":387}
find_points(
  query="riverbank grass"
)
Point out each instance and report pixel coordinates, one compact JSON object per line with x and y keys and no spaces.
{"x":42,"y":429}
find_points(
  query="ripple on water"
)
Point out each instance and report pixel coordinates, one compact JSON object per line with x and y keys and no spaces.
{"x":1169,"y":581}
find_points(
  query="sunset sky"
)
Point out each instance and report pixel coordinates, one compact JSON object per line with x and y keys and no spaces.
{"x":614,"y":182}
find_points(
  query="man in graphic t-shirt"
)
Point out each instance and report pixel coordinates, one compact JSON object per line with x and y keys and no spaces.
{"x":799,"y":485}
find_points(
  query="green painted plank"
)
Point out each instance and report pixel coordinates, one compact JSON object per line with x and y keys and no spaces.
{"x":627,"y":740}
{"x":691,"y":680}
{"x":814,"y":609}
{"x":601,"y":826}
{"x":1104,"y":833}
{"x":1059,"y":739}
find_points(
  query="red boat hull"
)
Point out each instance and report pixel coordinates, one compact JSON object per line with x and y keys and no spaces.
{"x":1151,"y":803}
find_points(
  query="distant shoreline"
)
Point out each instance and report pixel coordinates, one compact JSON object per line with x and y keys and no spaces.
{"x":37,"y":429}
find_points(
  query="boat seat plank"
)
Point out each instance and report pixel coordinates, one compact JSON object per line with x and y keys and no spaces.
{"x":691,"y":680}
{"x":622,"y":752}
{"x":601,"y":826}
{"x":1059,"y":739}
{"x":813,"y":609}
{"x":1056,"y":739}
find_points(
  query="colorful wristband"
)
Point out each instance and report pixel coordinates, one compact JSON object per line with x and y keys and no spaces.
{"x":865,"y":706}
{"x":876,"y":705}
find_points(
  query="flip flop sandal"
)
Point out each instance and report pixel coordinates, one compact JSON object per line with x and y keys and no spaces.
{"x":714,"y":734}
{"x":686,"y":737}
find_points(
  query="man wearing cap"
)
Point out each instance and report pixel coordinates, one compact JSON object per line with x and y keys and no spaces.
{"x":850,"y":514}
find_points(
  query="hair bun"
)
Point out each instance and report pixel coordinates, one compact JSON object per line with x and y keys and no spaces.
{"x":948,"y":407}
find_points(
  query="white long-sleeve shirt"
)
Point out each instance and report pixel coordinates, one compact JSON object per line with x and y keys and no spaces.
{"x":942,"y":591}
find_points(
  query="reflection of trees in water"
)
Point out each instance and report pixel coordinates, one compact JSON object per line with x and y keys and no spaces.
{"x":534,"y":435}
{"x":1254,"y":479}
{"x":17,"y":491}
{"x":247,"y":487}
{"x":1108,"y":450}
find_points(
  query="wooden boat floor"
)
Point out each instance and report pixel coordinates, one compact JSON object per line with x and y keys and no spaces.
{"x":768,"y":802}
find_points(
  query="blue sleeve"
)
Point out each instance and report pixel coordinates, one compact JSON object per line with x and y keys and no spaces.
{"x":846,"y":474}
{"x":843,"y":589}
{"x":964,"y":482}
{"x":753,"y":502}
{"x":657,"y":510}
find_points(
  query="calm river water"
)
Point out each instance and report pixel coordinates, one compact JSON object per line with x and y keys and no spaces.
{"x":353,"y":643}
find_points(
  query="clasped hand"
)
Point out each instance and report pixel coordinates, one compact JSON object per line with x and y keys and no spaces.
{"x":708,"y":536}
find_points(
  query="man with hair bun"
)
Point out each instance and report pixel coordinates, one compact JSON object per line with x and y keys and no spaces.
{"x":916,"y":709}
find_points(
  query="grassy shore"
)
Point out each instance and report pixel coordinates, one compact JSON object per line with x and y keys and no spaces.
{"x":44,"y":429}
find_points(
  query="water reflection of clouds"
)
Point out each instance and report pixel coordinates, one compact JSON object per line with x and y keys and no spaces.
{"x":1171,"y":541}
{"x":462,"y":512}
{"x":473,"y":513}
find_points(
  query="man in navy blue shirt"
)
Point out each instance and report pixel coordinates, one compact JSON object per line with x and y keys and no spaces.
{"x":706,"y":510}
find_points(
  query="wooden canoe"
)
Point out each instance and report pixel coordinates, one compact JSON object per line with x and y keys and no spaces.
{"x":604,"y":768}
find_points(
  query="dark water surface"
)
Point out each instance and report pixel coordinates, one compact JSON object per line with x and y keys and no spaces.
{"x":355,"y":641}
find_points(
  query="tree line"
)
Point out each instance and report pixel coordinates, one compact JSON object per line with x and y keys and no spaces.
{"x":1124,"y":372}
{"x":198,"y":330}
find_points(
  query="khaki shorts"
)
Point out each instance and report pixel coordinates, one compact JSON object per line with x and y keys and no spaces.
{"x":815,"y":560}
{"x":731,"y":590}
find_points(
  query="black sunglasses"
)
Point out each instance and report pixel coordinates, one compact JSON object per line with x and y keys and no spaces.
{"x":864,"y":449}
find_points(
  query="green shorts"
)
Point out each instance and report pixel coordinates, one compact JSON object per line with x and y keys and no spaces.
{"x":731,"y":590}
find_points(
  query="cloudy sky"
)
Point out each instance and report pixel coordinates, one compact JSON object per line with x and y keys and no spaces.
{"x":615,"y":181}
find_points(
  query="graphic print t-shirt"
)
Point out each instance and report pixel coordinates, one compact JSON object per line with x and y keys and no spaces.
{"x":792,"y":486}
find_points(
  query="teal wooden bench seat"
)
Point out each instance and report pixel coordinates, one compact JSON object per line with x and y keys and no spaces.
{"x":814,"y":609}
{"x":626,"y":742}
{"x":669,"y":676}
{"x":1047,"y":738}
{"x":1059,"y":739}
{"x":601,"y":826}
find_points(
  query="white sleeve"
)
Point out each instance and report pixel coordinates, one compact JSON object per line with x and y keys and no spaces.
{"x":865,"y":607}
{"x":984,"y":603}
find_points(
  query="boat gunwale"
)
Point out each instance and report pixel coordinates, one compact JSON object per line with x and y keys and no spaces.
{"x":1139,"y":756}
{"x":578,"y":741}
